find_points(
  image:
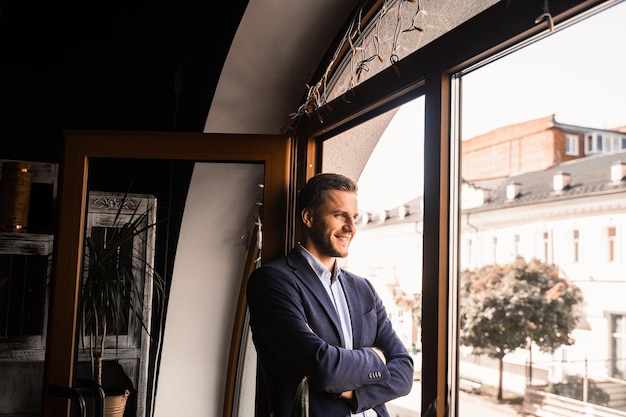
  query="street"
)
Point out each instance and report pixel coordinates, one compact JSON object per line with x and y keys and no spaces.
{"x":470,"y":405}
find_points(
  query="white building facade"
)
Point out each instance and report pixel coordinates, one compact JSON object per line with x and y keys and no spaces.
{"x":574,"y":216}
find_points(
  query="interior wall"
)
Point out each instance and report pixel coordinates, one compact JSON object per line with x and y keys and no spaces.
{"x":277,"y":47}
{"x":220,"y":209}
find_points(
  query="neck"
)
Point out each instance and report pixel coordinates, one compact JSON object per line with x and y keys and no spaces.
{"x":327,"y":261}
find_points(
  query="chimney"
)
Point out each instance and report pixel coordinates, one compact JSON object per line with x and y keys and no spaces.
{"x":618,"y":171}
{"x":513,"y":190}
{"x":560,"y":181}
{"x":403,"y":211}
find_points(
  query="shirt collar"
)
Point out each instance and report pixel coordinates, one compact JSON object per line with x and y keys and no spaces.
{"x":320,"y":269}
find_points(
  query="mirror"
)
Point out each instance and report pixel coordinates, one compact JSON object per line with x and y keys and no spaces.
{"x":180,"y":170}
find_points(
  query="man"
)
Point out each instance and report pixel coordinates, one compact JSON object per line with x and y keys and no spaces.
{"x":311,"y":318}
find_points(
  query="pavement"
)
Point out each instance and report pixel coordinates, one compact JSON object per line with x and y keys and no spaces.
{"x":470,"y":405}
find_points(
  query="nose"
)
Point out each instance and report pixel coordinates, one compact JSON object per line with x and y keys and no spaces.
{"x":350,"y":225}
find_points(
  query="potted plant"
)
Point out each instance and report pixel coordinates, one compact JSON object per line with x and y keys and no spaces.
{"x":118,"y":282}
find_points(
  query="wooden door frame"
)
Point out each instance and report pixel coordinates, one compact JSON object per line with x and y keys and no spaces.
{"x":79,"y":146}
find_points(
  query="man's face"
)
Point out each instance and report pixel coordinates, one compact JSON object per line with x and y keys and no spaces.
{"x":331,"y":226}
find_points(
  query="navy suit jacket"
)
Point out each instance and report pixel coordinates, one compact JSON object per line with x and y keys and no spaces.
{"x":297,"y":332}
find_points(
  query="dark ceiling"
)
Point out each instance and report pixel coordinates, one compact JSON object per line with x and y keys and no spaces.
{"x":116,"y":65}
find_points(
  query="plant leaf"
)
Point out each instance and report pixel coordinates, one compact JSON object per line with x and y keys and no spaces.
{"x":301,"y":400}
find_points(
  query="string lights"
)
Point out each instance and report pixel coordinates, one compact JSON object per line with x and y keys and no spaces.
{"x":402,"y":26}
{"x":354,"y":41}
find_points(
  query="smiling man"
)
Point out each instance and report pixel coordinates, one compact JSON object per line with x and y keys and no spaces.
{"x":311,"y":318}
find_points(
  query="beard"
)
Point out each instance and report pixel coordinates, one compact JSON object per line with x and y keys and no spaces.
{"x":324,"y":244}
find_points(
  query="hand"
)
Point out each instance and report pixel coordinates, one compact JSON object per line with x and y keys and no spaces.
{"x":380,"y":354}
{"x":348,"y":395}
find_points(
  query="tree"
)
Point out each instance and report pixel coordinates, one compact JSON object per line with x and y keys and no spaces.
{"x":503,"y":308}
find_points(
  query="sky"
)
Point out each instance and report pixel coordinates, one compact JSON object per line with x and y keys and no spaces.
{"x":577,"y":74}
{"x":392,"y":176}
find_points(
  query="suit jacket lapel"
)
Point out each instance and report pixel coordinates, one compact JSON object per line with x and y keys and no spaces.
{"x":310,"y":280}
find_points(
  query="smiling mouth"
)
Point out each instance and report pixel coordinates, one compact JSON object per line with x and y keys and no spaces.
{"x":345,"y":239}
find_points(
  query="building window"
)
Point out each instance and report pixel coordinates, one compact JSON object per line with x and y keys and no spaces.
{"x":495,"y":249}
{"x":611,"y":241}
{"x":591,"y":144}
{"x":571,"y":145}
{"x":576,"y":243}
{"x":598,"y":143}
{"x":615,"y":143}
{"x":618,"y":346}
{"x":546,"y":246}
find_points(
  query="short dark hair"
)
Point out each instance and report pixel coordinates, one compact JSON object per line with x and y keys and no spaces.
{"x":312,"y":195}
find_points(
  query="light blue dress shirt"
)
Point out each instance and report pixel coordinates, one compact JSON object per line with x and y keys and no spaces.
{"x":334,"y":289}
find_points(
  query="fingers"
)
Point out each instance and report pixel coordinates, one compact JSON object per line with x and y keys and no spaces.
{"x":380,"y":354}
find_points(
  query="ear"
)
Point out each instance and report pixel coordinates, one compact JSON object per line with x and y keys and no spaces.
{"x":307,"y":217}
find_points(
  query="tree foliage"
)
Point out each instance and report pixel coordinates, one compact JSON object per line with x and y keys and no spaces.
{"x":506,"y":307}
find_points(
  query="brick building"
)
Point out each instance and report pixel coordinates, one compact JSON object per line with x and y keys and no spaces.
{"x":533,"y":145}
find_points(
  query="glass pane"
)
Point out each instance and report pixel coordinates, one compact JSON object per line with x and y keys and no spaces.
{"x":534,"y":308}
{"x":385,"y":156}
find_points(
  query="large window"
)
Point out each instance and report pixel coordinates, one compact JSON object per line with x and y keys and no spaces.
{"x":492,"y":116}
{"x":518,"y":113}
